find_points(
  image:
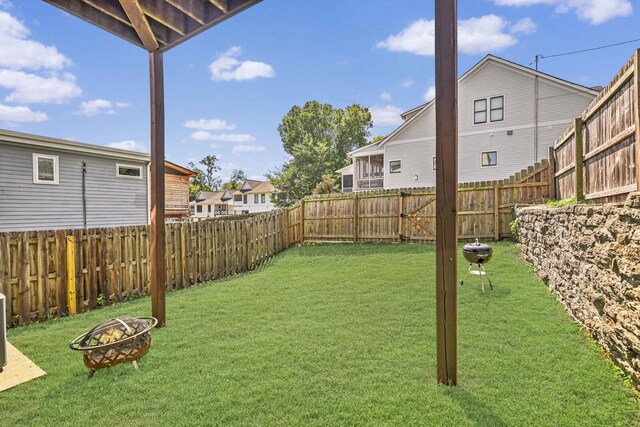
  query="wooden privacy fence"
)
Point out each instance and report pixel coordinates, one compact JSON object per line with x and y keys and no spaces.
{"x":484,"y":211}
{"x":49,"y":273}
{"x":598,"y":157}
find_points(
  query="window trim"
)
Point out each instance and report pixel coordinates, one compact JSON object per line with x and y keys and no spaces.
{"x":245,"y":199}
{"x":263,"y":198}
{"x":256,"y":199}
{"x":491,"y":109}
{"x":391,"y":161}
{"x":125,"y":165}
{"x":198,"y":208}
{"x":56,"y":169}
{"x":487,"y":101}
{"x":486,"y":111}
{"x":482,"y":158}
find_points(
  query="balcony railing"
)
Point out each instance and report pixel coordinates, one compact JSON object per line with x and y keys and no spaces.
{"x":368,"y":184}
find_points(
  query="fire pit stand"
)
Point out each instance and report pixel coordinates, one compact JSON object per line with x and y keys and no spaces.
{"x":119,"y":340}
{"x":477,"y":254}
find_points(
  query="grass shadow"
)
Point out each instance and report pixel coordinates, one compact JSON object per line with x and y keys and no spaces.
{"x":475,"y":410}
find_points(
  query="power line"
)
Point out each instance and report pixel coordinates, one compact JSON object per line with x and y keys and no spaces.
{"x":540,"y":56}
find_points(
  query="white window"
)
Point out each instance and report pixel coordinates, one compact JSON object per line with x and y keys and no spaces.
{"x":479,"y":111}
{"x":199,"y":208}
{"x":434,"y":163}
{"x":45,"y":169}
{"x":256,"y":198}
{"x":263,"y":198}
{"x":395,"y":166}
{"x":493,"y":106}
{"x":490,"y":158}
{"x":497,"y":109}
{"x":128,"y":171}
{"x":245,"y":199}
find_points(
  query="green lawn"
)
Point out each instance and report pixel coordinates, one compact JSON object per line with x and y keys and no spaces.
{"x":334,"y":335}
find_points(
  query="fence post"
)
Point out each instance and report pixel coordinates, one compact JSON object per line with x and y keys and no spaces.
{"x":552,"y":173}
{"x":579,"y":176}
{"x":71,"y":275}
{"x":302,"y":221}
{"x":400,"y":215}
{"x":496,"y":211}
{"x":285,"y":233}
{"x":636,"y":77}
{"x":354,"y":221}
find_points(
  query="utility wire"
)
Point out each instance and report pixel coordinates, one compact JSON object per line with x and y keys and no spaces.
{"x":540,"y":56}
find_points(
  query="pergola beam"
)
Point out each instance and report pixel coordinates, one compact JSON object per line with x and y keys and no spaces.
{"x":139,"y":21}
{"x":98,"y":18}
{"x":194,"y":8}
{"x":221,"y":4}
{"x":168,"y":16}
{"x":446,"y":55}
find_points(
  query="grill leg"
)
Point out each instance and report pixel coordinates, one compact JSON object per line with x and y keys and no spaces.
{"x":91,"y":372}
{"x":482,"y":273}
{"x":135,"y":364}
{"x":465,"y":275}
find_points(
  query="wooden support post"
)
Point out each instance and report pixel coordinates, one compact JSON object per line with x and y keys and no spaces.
{"x":579,"y":175}
{"x":446,"y":49}
{"x":302,"y":222}
{"x":354,"y":222}
{"x":496,"y":212}
{"x":400,"y":216}
{"x":158,"y":269}
{"x":552,"y":173}
{"x":71,"y":276}
{"x":636,"y":79}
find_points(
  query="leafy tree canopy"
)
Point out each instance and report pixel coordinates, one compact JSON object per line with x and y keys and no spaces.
{"x":328,"y":185}
{"x":238,"y":177}
{"x":207,"y":179}
{"x":318,"y":138}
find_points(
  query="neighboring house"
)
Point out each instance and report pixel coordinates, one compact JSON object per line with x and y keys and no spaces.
{"x":253,"y":196}
{"x":50,"y":183}
{"x":500,"y":130}
{"x":176,"y":190}
{"x":210,"y":204}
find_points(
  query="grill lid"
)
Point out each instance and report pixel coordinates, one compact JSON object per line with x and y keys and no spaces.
{"x":477,"y":247}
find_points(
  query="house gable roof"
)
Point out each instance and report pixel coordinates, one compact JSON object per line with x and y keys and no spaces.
{"x":412,"y":115}
{"x":212,"y":197}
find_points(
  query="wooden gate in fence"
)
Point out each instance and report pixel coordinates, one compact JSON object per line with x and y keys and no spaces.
{"x":484,"y":211}
{"x":43,"y":273}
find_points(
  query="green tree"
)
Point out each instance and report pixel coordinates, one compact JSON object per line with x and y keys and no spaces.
{"x":318,"y":138}
{"x":207,"y":179}
{"x":235,"y":181}
{"x":328,"y":185}
{"x":377,"y":138}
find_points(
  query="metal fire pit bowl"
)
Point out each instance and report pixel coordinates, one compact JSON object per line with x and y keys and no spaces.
{"x":119,"y":340}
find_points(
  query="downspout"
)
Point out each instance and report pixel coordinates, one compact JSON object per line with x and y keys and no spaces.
{"x":84,"y":194}
{"x":148,"y":194}
{"x":535,"y":113}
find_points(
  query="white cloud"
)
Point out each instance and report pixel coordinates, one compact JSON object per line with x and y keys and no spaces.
{"x":525,"y":26}
{"x":226,"y":67}
{"x":407,"y":84}
{"x":249,"y":148}
{"x":20,"y":114}
{"x":99,"y":106}
{"x":209,"y":124}
{"x":475,"y":35}
{"x":222,"y":137}
{"x":19,"y":52}
{"x":33,"y":89}
{"x":130,"y":145}
{"x":385,"y":96}
{"x":388,"y":115}
{"x":594,"y":11}
{"x":431,"y":93}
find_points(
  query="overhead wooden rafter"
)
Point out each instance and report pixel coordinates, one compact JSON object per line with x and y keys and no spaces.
{"x":154,"y":24}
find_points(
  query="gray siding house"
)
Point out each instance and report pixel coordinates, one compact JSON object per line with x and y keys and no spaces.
{"x":508,"y":117}
{"x":48,"y":183}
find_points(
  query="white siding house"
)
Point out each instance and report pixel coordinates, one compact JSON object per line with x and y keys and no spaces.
{"x":211,"y":204}
{"x":497,"y":124}
{"x":254,"y":196}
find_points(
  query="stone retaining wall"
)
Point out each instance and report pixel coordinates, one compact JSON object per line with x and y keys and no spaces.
{"x":589,"y":256}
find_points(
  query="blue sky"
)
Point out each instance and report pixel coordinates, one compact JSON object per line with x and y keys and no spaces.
{"x":228,"y":88}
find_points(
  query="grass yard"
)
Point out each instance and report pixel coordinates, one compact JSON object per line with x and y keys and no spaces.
{"x":334,"y":335}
